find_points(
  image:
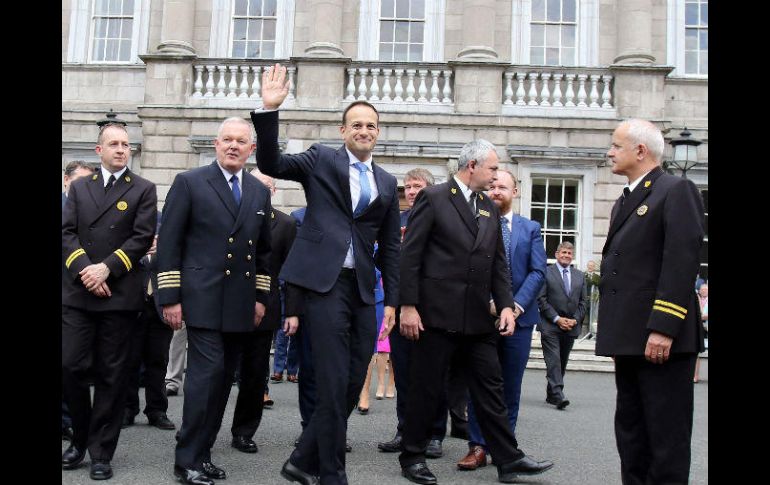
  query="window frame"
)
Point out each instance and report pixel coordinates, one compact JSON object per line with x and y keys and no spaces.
{"x":81,"y":29}
{"x":369,"y":31}
{"x":221,"y":33}
{"x":675,"y":52}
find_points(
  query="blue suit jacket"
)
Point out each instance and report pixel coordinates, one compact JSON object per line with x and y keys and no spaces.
{"x":528,"y":263}
{"x":316,"y":258}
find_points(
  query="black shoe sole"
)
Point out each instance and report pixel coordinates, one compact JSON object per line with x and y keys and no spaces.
{"x":245,"y":450}
{"x":529,"y":474}
{"x":100,"y":477}
{"x":389,"y":450}
{"x":414,"y":480}
{"x":562,"y":404}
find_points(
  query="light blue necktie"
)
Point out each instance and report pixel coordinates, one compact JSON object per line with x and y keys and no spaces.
{"x":366,"y":191}
{"x":236,"y":190}
{"x":506,"y":238}
{"x":565,"y":278}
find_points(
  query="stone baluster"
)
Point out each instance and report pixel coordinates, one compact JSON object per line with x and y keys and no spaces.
{"x":256,"y":89}
{"x":221,"y":83}
{"x":447,"y":92}
{"x":508,"y":93}
{"x":582,"y":90}
{"x":410,"y":85}
{"x":434,"y":86}
{"x":606,"y":95}
{"x":594,"y":91}
{"x":399,"y":86}
{"x":375,"y":87}
{"x":520,"y":89}
{"x":545,"y":93}
{"x":243,"y":87}
{"x":423,"y":89}
{"x":362,"y":83}
{"x":557,"y":89}
{"x":292,"y":70}
{"x":570,"y":94}
{"x":209,"y":82}
{"x":198,"y":82}
{"x":232,"y":86}
{"x":532,"y":89}
{"x":351,"y":85}
{"x":386,"y":84}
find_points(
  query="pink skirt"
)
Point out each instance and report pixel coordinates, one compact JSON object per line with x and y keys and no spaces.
{"x":383,"y":345}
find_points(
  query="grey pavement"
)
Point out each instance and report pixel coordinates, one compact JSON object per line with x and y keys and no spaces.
{"x":579,"y":440}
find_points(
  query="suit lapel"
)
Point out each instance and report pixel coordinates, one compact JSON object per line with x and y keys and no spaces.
{"x":516,"y":223}
{"x":460,"y":204}
{"x":560,"y":279}
{"x":222,"y":189}
{"x":379,"y":179}
{"x":632,"y":203}
{"x":96,"y":191}
{"x":104,"y":201}
{"x":341,"y":164}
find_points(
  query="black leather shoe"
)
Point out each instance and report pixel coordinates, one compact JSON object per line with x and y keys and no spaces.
{"x":72,"y":457}
{"x":391,"y":446}
{"x":419,"y":473}
{"x":244,"y":444}
{"x":100,"y":470}
{"x":552,"y":400}
{"x":160,"y":421}
{"x":128,"y":420}
{"x":66,"y":433}
{"x":191,"y":477}
{"x":523,"y":466}
{"x":213,"y":471}
{"x":294,"y":474}
{"x":563,"y":404}
{"x":434,"y":449}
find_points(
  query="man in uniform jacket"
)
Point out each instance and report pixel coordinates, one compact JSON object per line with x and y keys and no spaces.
{"x":526,"y":260}
{"x":452,"y":259}
{"x":563,"y":304}
{"x":648,"y":315}
{"x":108,"y":224}
{"x":255,"y":358}
{"x":351,"y":202}
{"x":213,"y":276}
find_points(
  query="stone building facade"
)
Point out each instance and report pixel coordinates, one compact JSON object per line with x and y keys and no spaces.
{"x":546,"y":81}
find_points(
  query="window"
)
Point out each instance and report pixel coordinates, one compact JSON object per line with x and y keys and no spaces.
{"x":555,"y":206}
{"x":704,"y":249}
{"x":688,"y":37}
{"x":401,"y":30}
{"x":553,"y":32}
{"x":108,"y":31}
{"x":254,"y":28}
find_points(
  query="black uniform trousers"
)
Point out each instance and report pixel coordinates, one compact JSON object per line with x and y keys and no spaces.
{"x":557,"y":346}
{"x":96,"y":345}
{"x":343,"y":332}
{"x":211,"y":360}
{"x":432,"y":354}
{"x":653,"y":419}
{"x":306,"y":388}
{"x":152,"y":339}
{"x":254,"y":367}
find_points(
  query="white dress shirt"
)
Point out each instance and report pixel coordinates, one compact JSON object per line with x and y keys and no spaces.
{"x":106,"y":174}
{"x":355,"y":194}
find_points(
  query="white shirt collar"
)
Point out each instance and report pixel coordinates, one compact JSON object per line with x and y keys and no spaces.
{"x":464,"y":189}
{"x":562,"y":268}
{"x":353,"y":160}
{"x":633,"y":184}
{"x":229,"y":175}
{"x":106,"y":174}
{"x":509,"y":216}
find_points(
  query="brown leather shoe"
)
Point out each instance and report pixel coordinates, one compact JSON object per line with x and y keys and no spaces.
{"x":277,"y":377}
{"x":475,"y":458}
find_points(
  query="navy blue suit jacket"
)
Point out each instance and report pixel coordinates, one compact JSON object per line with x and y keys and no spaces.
{"x":528,"y":263}
{"x":316,"y":258}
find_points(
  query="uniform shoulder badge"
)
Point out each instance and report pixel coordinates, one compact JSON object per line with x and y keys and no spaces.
{"x":481,"y":197}
{"x":127,"y":178}
{"x":272,"y":215}
{"x":483,"y":213}
{"x":642,"y":210}
{"x":647,"y":183}
{"x":95,"y":177}
{"x":122,"y":205}
{"x":453,"y":190}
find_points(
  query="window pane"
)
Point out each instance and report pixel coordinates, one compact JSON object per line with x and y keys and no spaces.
{"x":552,"y":35}
{"x":239,"y":29}
{"x":568,"y":36}
{"x":538,"y":191}
{"x":570,"y":238}
{"x":704,"y":40}
{"x":418,"y":9}
{"x":255,"y":8}
{"x":400,"y":52}
{"x":536,"y":56}
{"x":568,"y":56}
{"x":551,"y":243}
{"x":100,"y":29}
{"x":386,"y":31}
{"x":704,"y":63}
{"x":113,"y":28}
{"x":402,"y":9}
{"x":704,"y":14}
{"x":537,"y":33}
{"x":553,"y":12}
{"x":415,"y":52}
{"x":269,"y":29}
{"x":554,"y":218}
{"x":554,"y":192}
{"x":98,"y":52}
{"x":402,"y":31}
{"x":113,"y":7}
{"x":100,"y":7}
{"x":691,"y":62}
{"x":270,"y":8}
{"x":387,"y":8}
{"x":127,"y":28}
{"x":416,"y":32}
{"x":538,"y":10}
{"x":268,"y":49}
{"x":255,"y":29}
{"x":240,"y":7}
{"x":112,"y":50}
{"x":552,"y":57}
{"x":691,"y":14}
{"x":538,"y":215}
{"x":125,"y":50}
{"x":386,"y":52}
{"x":128,"y":7}
{"x":253,"y":50}
{"x":568,"y":14}
{"x":691,"y":39}
{"x":570,"y":219}
{"x":239,"y":49}
{"x":570,"y":192}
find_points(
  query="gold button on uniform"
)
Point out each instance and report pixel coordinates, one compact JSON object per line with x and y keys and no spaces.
{"x":248,"y":257}
{"x":250,"y":243}
{"x":227,"y":272}
{"x":229,"y":256}
{"x":231,"y":240}
{"x":248,"y":274}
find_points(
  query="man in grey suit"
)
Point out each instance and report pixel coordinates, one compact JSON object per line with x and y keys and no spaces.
{"x":563,"y":302}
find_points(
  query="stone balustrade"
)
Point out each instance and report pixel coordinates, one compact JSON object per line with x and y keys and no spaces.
{"x":557,"y":92}
{"x":413,"y":87}
{"x":230,"y":82}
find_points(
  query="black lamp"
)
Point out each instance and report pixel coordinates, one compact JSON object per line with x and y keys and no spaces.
{"x":685,"y":154}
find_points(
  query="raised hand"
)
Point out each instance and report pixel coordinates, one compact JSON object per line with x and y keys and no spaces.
{"x":275,"y":87}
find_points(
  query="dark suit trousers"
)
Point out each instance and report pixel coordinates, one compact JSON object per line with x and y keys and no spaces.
{"x":151,"y":342}
{"x":427,"y":374}
{"x":556,"y":348}
{"x":344,"y":328}
{"x":255,"y":364}
{"x":513,"y":354}
{"x":653,"y":419}
{"x":306,"y":387}
{"x":96,"y":344}
{"x":211,"y":360}
{"x":400,"y":355}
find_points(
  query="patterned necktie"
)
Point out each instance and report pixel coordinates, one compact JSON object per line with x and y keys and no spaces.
{"x":366,"y":191}
{"x":236,"y":190}
{"x":506,"y":239}
{"x":565,"y":277}
{"x":110,"y":183}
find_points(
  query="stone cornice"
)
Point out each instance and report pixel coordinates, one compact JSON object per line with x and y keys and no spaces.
{"x":583,"y":155}
{"x":136,"y":148}
{"x":202,"y":144}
